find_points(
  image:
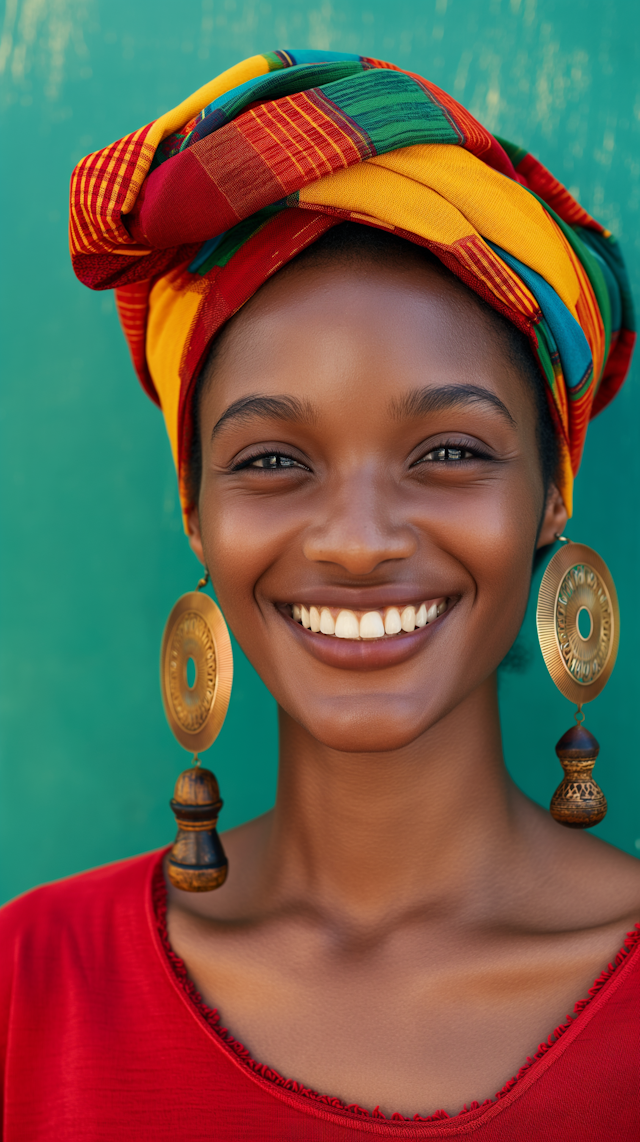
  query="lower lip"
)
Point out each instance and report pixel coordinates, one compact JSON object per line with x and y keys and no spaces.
{"x":351,"y":654}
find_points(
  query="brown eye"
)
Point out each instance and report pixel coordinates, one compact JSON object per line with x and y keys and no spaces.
{"x":275,"y":460}
{"x":448,"y":453}
{"x":271,"y":462}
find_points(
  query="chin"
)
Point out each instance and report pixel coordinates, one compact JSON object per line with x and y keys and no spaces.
{"x":388,"y":726}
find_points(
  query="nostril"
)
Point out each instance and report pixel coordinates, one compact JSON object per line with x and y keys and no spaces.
{"x":358,"y":557}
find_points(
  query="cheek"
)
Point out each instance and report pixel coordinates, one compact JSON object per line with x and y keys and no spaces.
{"x":484,"y":537}
{"x":496,"y":545}
{"x":243,"y":536}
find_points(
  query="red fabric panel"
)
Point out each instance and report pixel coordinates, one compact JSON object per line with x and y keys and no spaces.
{"x":244,"y":176}
{"x":180,"y":204}
{"x":105,"y":271}
{"x":132,"y":303}
{"x":99,"y":1041}
{"x":99,"y":187}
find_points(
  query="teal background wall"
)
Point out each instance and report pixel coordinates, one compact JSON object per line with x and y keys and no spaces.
{"x":93,"y":554}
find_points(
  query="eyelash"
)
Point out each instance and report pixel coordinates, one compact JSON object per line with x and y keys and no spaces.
{"x":461,"y":452}
{"x":265,"y":455}
{"x":464,"y":451}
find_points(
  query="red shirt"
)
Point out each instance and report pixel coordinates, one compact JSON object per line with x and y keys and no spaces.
{"x":102,"y":1037}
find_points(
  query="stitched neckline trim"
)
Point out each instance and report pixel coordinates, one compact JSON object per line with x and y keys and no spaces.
{"x":212,"y":1017}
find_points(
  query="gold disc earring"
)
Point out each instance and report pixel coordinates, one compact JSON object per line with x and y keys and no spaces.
{"x":196,"y":674}
{"x":578,"y":627}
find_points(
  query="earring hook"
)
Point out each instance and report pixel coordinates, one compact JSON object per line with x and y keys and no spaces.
{"x":203,"y":582}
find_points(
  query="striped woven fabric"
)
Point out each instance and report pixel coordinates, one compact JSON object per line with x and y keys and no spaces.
{"x":187,"y":217}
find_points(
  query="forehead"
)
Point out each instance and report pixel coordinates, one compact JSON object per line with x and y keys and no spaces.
{"x":338,"y":331}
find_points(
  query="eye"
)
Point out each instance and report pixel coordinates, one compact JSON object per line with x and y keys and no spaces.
{"x":448,"y":453}
{"x":270,"y":461}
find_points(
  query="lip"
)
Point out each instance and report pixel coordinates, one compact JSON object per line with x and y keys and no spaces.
{"x":377,"y":654}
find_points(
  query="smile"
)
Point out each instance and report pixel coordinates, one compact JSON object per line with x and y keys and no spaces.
{"x":361,"y":625}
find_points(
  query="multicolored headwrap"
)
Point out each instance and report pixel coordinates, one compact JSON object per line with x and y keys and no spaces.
{"x":188,"y":217}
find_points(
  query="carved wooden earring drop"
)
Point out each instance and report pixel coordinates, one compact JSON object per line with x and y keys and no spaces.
{"x":578,"y":627}
{"x":196,"y":641}
{"x":578,"y":802}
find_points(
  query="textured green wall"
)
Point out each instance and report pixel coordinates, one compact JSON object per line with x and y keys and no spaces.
{"x":92,"y":550}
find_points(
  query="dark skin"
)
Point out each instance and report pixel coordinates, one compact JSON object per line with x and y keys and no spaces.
{"x":405,"y":927}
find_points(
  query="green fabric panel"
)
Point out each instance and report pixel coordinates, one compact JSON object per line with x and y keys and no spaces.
{"x":609,"y":251}
{"x":418,"y":119}
{"x":274,"y":62}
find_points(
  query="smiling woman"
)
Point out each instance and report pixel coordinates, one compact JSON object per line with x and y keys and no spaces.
{"x":373,"y":443}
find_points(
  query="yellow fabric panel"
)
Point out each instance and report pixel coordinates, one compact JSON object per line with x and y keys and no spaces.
{"x":171,"y":314}
{"x":386,"y":196}
{"x":467,"y":197}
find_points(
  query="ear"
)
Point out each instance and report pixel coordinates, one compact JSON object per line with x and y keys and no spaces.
{"x":195,"y":535}
{"x":554,"y":519}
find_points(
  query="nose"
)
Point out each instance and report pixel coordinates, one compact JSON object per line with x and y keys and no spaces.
{"x":358,"y":530}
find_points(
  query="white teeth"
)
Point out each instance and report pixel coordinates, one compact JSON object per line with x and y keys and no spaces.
{"x":347,"y":625}
{"x":392,"y":624}
{"x":327,"y":624}
{"x":371,"y":625}
{"x":408,"y":618}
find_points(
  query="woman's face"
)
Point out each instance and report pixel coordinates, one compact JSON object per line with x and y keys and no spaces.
{"x":369,"y":448}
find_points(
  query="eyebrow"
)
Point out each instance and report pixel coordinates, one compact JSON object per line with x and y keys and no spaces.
{"x":419,"y":402}
{"x":266,"y":408}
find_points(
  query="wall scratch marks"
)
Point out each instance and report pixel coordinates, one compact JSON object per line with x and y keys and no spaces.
{"x":37,"y":40}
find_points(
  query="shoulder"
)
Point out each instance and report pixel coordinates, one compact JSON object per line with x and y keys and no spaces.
{"x":61,"y":942}
{"x":579,"y":880}
{"x":81,"y":907}
{"x":608,"y":877}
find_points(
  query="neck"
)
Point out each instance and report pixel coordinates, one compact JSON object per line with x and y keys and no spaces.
{"x":369,"y":833}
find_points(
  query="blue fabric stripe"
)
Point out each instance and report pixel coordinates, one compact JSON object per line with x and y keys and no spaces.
{"x":204,"y":251}
{"x":573,"y":347}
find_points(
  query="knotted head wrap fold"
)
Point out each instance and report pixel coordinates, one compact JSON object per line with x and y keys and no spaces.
{"x":188,"y":216}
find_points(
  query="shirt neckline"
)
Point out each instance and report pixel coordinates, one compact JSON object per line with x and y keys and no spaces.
{"x":539,"y":1062}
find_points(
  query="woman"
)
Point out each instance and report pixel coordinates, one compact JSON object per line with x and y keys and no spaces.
{"x":373,"y":443}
